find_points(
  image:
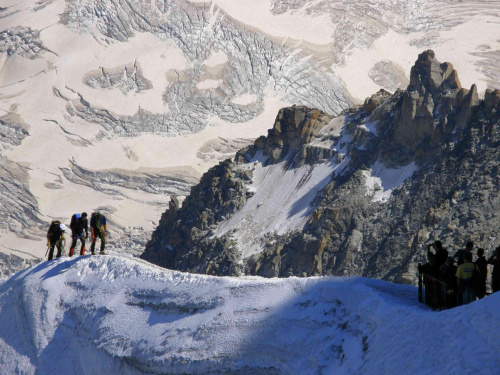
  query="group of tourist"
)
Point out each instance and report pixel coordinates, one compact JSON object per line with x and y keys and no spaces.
{"x":79,"y":231}
{"x":465,"y":278}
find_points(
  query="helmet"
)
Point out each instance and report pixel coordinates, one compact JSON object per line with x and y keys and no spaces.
{"x":63,"y":227}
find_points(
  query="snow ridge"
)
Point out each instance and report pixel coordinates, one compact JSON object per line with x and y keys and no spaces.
{"x":109,"y":314}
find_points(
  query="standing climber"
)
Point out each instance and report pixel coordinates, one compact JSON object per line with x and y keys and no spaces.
{"x":55,"y":237}
{"x":438,"y":258}
{"x":465,"y":279}
{"x":482,"y":265}
{"x":459,"y":255}
{"x":79,"y":224}
{"x":495,"y":275}
{"x":98,"y":229}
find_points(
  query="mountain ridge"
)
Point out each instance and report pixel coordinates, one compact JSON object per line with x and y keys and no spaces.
{"x":357,"y":225}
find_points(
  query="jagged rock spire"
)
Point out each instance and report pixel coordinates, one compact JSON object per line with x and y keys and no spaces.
{"x":294,"y":126}
{"x":434,"y":105}
{"x":430,"y":75}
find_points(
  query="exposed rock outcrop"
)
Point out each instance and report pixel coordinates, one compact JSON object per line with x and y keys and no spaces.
{"x":433,"y":103}
{"x":406,"y":169}
{"x":294,"y":127}
{"x":126,"y":78}
{"x":218,"y":195}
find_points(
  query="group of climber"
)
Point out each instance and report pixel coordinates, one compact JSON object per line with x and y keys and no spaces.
{"x":79,"y":231}
{"x":465,"y":281}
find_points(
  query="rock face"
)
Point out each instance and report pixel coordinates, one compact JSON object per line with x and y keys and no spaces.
{"x":294,"y":127}
{"x":432,"y":97}
{"x":405,"y":169}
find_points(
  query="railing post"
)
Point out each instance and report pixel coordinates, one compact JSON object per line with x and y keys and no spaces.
{"x":436,"y":291}
{"x":420,"y":294}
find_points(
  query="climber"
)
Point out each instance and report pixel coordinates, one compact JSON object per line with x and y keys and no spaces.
{"x":466,"y":274}
{"x":495,"y":275}
{"x":79,"y":225}
{"x":98,"y":229}
{"x":55,"y":237}
{"x":459,"y":255}
{"x":482,"y":265}
{"x":439,"y":257}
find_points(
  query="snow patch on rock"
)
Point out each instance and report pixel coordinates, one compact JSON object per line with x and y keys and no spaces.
{"x":281,"y":201}
{"x":381,"y":181}
{"x":371,"y":127}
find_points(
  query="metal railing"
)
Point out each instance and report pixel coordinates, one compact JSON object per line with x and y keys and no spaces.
{"x":435,"y":293}
{"x":439,"y":295}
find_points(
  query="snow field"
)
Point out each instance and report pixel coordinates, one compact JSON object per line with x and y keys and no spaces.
{"x":109,"y":314}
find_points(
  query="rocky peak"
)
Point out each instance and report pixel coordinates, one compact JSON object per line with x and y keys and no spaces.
{"x":492,"y":100}
{"x":433,"y":107}
{"x":294,"y":127}
{"x":429,"y":75}
{"x":376,"y":100}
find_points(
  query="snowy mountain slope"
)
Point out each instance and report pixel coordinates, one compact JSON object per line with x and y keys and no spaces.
{"x":281,"y":201}
{"x":110,"y":315}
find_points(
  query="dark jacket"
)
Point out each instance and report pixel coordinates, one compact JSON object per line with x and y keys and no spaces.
{"x":79,"y":225}
{"x":447,"y":275}
{"x":482,"y":264}
{"x":438,"y":259}
{"x":55,"y":232}
{"x":495,"y":275}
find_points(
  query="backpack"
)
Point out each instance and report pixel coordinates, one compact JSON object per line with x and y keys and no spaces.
{"x":96,"y":220}
{"x":74,"y":221}
{"x":55,"y":228}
